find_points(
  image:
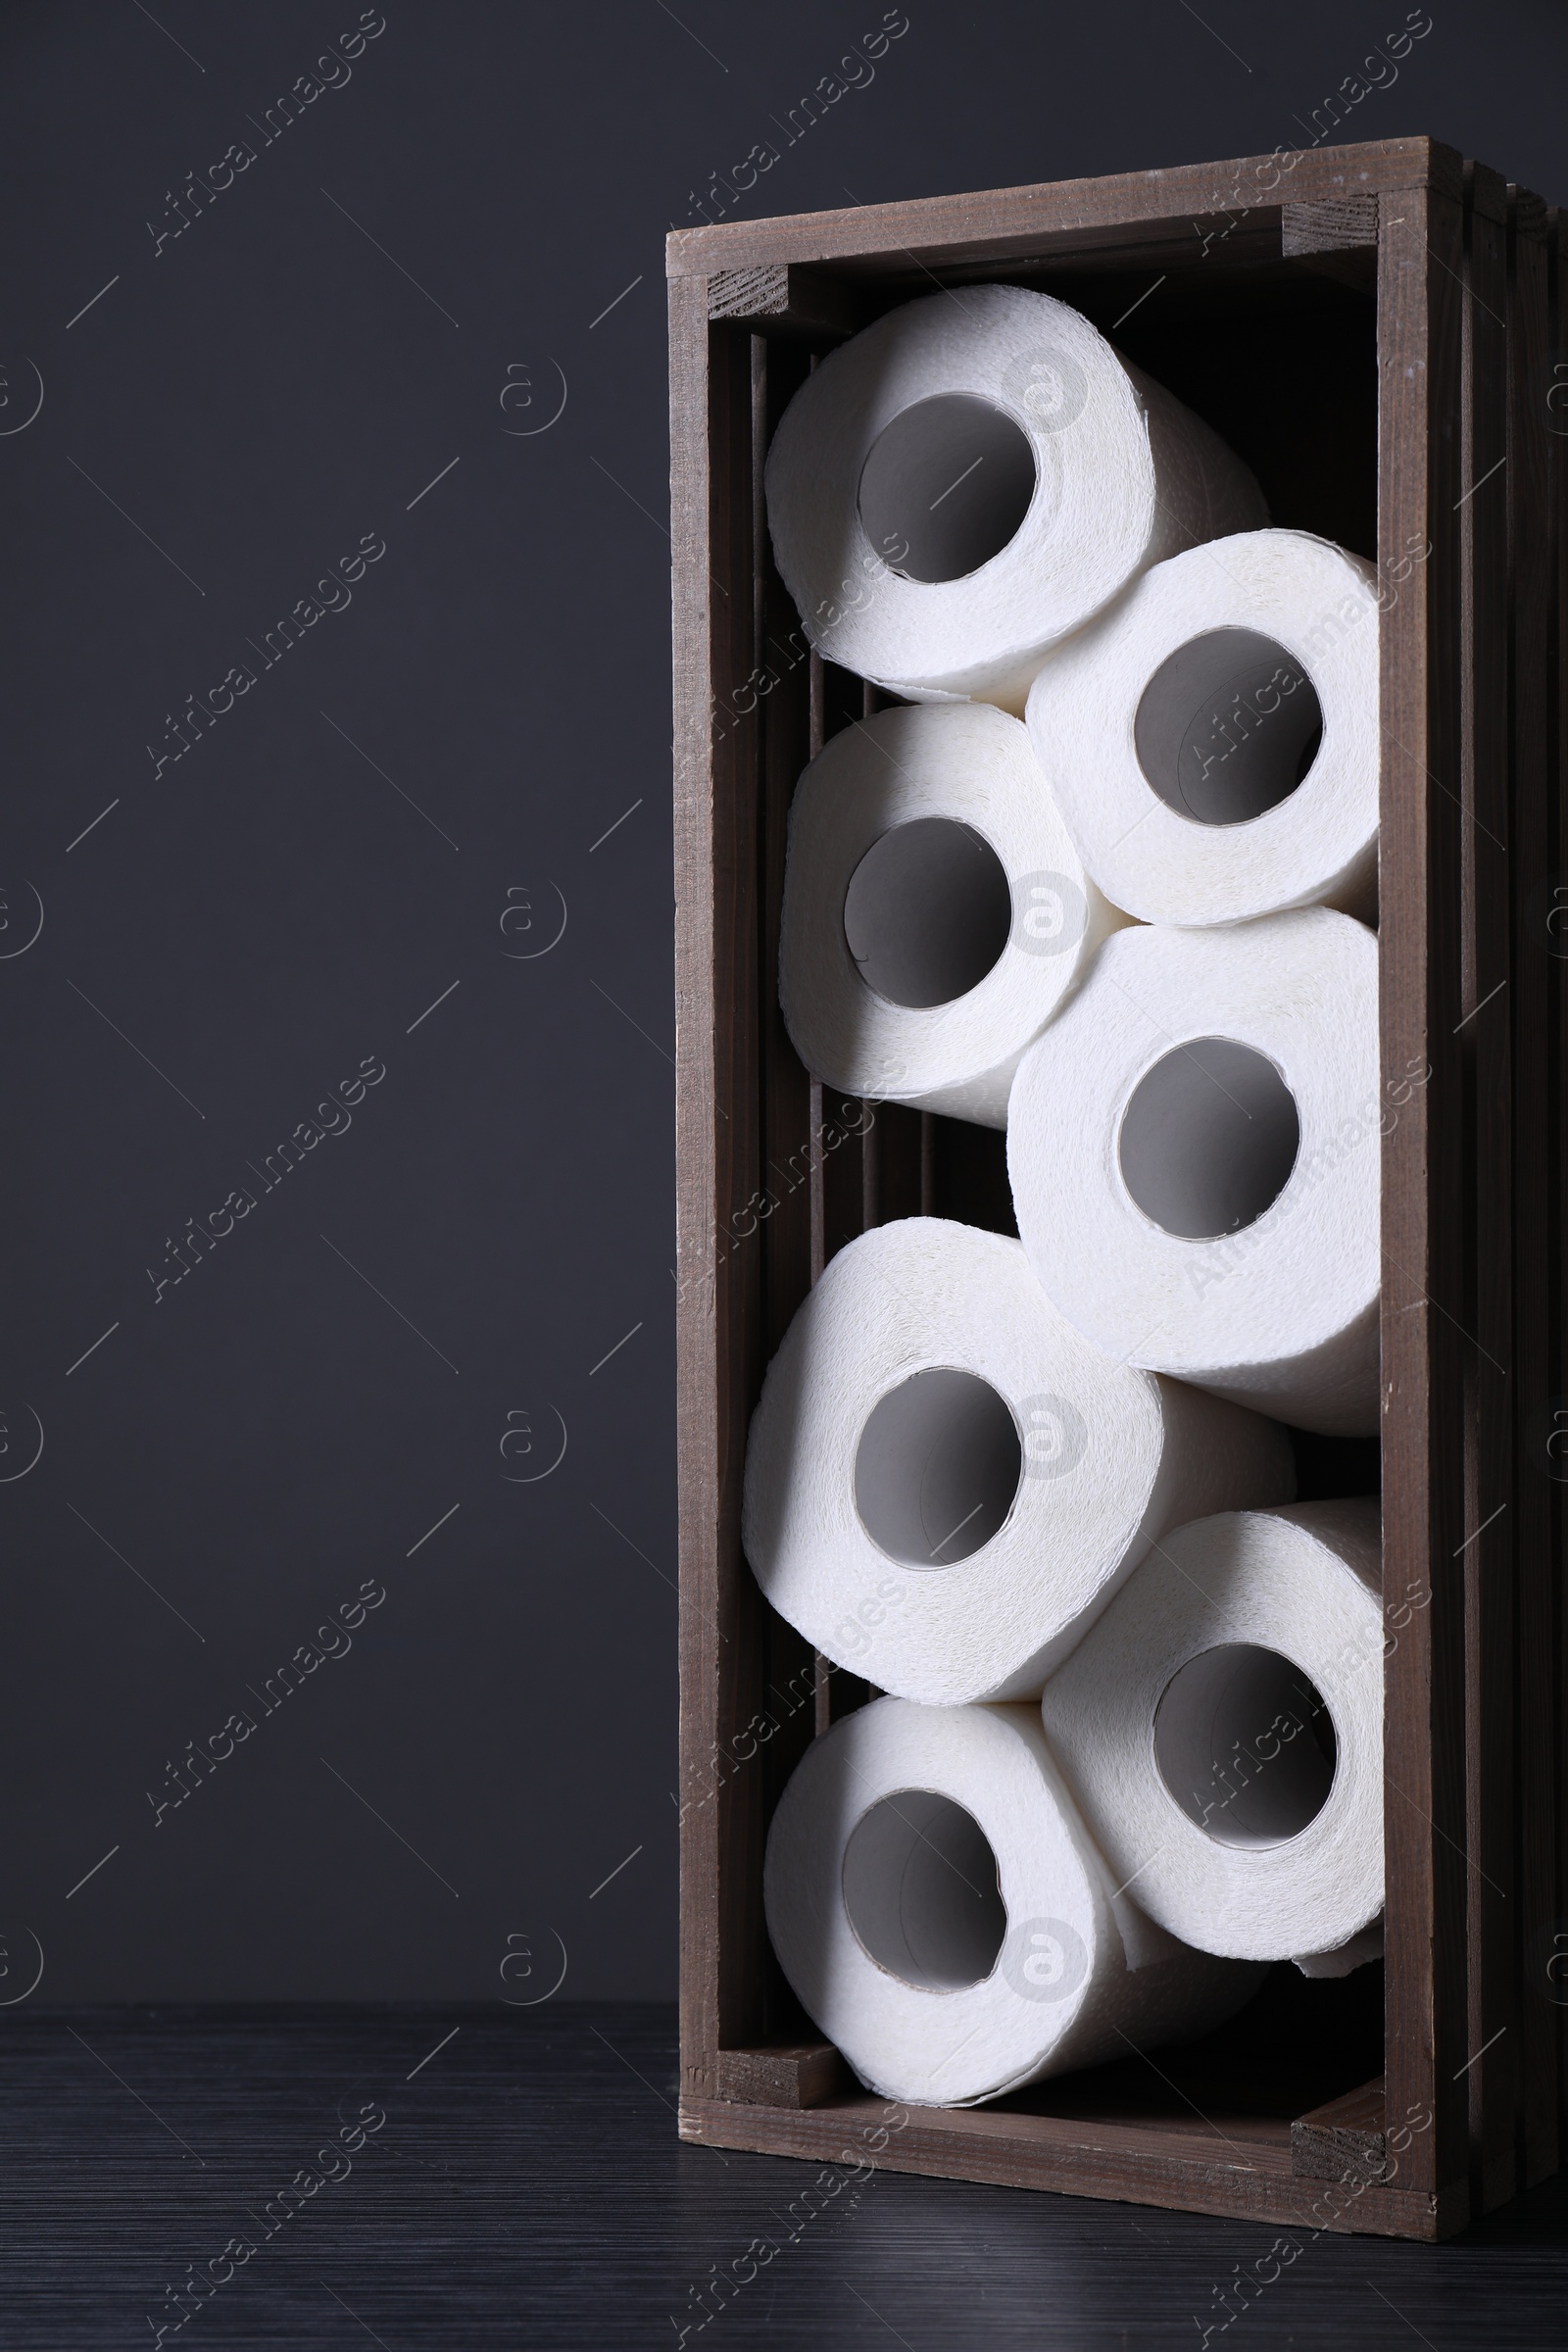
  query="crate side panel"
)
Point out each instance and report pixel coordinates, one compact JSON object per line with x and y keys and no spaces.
{"x":1002,"y":225}
{"x":1420,"y":264}
{"x":1485,"y":1038}
{"x":1546,"y":1959}
{"x":780,"y":1216}
{"x":1529,"y":587}
{"x":1179,"y":2167}
{"x":696,"y":1165}
{"x":723,"y":1637}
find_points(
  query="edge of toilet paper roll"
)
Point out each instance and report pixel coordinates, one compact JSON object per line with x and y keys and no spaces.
{"x":1355,"y":1952}
{"x":1332,"y":1389}
{"x":1207,"y":477}
{"x":1144,"y":1943}
{"x":1354,"y":890}
{"x":1350,"y":1525}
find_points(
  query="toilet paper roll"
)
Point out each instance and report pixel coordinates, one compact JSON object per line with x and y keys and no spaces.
{"x":1222,"y":1729}
{"x":941,"y":1911}
{"x":970,"y":478}
{"x":1212,"y":740}
{"x":945,"y":1483}
{"x":1193,"y":1146}
{"x":935,"y":910}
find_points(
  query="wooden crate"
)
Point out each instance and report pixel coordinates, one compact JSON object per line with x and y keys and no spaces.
{"x":1373,"y":328}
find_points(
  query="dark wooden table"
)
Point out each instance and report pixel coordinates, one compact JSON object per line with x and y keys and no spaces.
{"x":527,"y":2187}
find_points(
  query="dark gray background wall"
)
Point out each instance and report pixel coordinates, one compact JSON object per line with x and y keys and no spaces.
{"x":431,"y":836}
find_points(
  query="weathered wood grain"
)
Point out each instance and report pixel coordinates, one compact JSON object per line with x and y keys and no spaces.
{"x":1238,"y":2168}
{"x":802,"y":2074}
{"x":1330,"y":225}
{"x":1138,"y":215}
{"x":775,"y":299}
{"x":1345,"y":2140}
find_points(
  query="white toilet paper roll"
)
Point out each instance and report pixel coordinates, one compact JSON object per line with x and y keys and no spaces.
{"x":941,"y":1911}
{"x":945,"y":1483}
{"x":935,"y":910}
{"x":1212,"y":740}
{"x":1193,"y":1145}
{"x":1222,"y":1729}
{"x":968,"y":479}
